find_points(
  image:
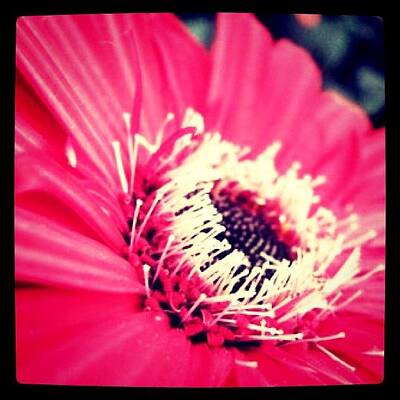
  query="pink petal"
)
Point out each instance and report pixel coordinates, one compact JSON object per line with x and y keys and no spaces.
{"x":48,"y":253}
{"x":325,"y":368}
{"x":328,"y":142}
{"x":328,"y":370}
{"x":85,"y":86}
{"x":37,"y":132}
{"x":371,"y":302}
{"x":45,"y":177}
{"x":277,"y":94}
{"x":367,"y":192}
{"x":40,"y":324}
{"x":245,"y":376}
{"x":208,"y":367}
{"x":275,"y":368}
{"x":245,"y":373}
{"x":260,"y":91}
{"x":371,"y":256}
{"x":174,"y":69}
{"x":116,"y":348}
{"x":363,"y":334}
{"x":35,"y":128}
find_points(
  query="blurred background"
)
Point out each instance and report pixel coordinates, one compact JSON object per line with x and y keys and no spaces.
{"x":348,"y":49}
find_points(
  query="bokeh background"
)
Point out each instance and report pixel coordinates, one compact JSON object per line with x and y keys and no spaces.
{"x":349,"y":50}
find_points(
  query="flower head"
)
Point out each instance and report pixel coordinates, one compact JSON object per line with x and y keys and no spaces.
{"x":186,"y":218}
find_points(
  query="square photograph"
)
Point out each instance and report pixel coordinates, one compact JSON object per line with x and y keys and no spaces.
{"x":199,"y":200}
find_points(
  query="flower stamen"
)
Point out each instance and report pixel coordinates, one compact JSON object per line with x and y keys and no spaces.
{"x":157,"y":198}
{"x":335,"y":358}
{"x":200,"y":299}
{"x":139,"y":203}
{"x":120,"y":168}
{"x":146,"y":270}
{"x":71,"y":154}
{"x":248,"y":364}
{"x":171,"y":238}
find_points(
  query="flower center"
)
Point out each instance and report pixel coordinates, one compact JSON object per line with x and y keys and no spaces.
{"x":250,"y":228}
{"x":230,"y":250}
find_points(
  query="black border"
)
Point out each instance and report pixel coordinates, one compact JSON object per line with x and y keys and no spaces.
{"x":392,"y":323}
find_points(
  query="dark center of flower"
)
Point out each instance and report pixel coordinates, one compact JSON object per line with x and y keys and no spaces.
{"x":247,"y":227}
{"x":250,"y":228}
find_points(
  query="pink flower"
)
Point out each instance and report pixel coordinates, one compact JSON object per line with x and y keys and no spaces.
{"x":180,"y":256}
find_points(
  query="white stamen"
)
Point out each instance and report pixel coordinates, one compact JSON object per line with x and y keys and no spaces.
{"x":193,"y":118}
{"x":350,"y":299}
{"x":118,"y":159}
{"x":294,"y":336}
{"x":331,"y":306}
{"x":160,"y":133}
{"x":345,"y":273}
{"x":132,"y":151}
{"x":378,"y":353}
{"x":183,"y":259}
{"x":71,"y":155}
{"x":263,"y":325}
{"x":219,"y":316}
{"x":357,"y":280}
{"x":313,"y":300}
{"x":105,"y":211}
{"x":335,"y":358}
{"x":199,"y":300}
{"x":171,"y":238}
{"x":139,"y":203}
{"x":157,"y":198}
{"x":240,"y":309}
{"x":151,"y":148}
{"x":264,"y":329}
{"x":228,"y":297}
{"x":336,"y":298}
{"x":340,"y":335}
{"x":127,"y":120}
{"x":248,"y":364}
{"x":371,"y":234}
{"x":319,"y":180}
{"x":146,"y":270}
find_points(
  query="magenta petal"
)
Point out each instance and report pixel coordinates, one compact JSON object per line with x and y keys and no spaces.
{"x":160,"y":355}
{"x":325,"y":368}
{"x":35,"y":128}
{"x":364,"y":334}
{"x":43,"y":176}
{"x":118,"y":347}
{"x":367,"y":192}
{"x":40,"y":324}
{"x":180,"y":76}
{"x":48,"y":253}
{"x":208,"y":367}
{"x":371,"y":303}
{"x":83,"y":86}
{"x":36,"y":132}
{"x":245,"y":373}
{"x":251,"y":79}
{"x":277,"y":368}
{"x":322,"y":151}
{"x":339,"y":155}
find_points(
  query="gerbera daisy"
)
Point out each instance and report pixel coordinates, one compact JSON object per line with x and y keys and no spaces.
{"x":191,"y":218}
